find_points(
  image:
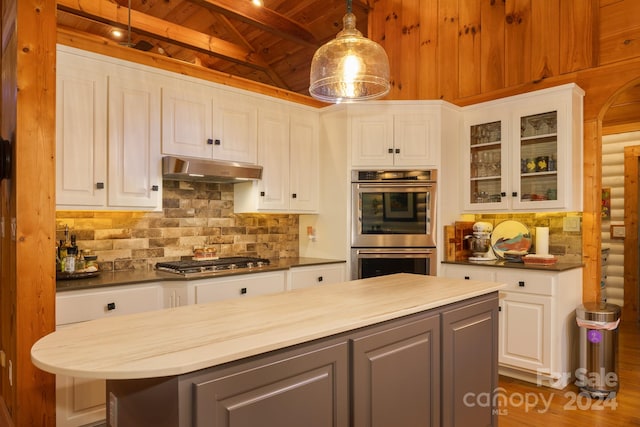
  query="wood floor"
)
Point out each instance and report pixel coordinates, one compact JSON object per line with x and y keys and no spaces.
{"x":567,"y":408}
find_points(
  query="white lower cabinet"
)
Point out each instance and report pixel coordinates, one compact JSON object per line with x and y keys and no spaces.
{"x":177,"y":294}
{"x":538,"y":331}
{"x":304,"y":277}
{"x":201,"y":291}
{"x":81,"y":401}
{"x":239,"y":286}
{"x":469,"y":273}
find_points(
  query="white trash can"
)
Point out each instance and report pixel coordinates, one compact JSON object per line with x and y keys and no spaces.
{"x":597,"y":374}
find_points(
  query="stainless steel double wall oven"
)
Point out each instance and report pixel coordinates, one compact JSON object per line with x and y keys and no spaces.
{"x":393,"y":222}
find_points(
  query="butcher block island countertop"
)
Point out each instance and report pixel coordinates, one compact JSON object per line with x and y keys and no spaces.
{"x":186,"y":339}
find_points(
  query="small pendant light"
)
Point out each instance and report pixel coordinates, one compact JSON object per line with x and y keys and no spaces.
{"x":349,"y":68}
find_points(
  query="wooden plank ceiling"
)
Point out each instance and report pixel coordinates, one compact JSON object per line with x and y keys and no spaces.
{"x":272,"y":44}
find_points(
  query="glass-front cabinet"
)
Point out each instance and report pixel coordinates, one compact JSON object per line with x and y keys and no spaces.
{"x":525,"y":152}
{"x":538,"y":143}
{"x":485,"y":163}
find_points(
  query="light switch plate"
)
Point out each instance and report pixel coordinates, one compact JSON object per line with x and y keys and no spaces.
{"x":571,"y":223}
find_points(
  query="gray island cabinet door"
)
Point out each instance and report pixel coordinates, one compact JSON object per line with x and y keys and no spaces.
{"x":470,"y":364}
{"x":299,"y":390}
{"x":396,"y":374}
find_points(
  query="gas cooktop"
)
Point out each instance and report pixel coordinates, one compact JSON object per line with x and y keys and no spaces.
{"x":191,"y":267}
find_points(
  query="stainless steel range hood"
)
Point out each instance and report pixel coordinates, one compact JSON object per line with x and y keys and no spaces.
{"x":191,"y":169}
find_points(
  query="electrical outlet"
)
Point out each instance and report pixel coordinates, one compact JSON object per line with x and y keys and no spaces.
{"x":571,"y":223}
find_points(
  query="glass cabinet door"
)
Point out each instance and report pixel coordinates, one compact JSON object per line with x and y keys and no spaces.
{"x":485,"y":165}
{"x":524,"y":153}
{"x":538,"y":145}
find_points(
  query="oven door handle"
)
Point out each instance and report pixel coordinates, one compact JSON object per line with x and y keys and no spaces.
{"x":395,"y":252}
{"x":389,"y":184}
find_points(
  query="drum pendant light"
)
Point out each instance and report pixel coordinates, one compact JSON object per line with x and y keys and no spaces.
{"x":349,"y":68}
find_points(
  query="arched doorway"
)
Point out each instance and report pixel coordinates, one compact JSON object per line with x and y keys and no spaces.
{"x":620,"y":121}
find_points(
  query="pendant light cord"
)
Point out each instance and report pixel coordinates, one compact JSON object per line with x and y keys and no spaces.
{"x":349,"y":7}
{"x":129,"y":26}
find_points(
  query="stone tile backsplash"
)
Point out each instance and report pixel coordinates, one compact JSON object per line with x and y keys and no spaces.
{"x":566,"y":245}
{"x":194,"y":214}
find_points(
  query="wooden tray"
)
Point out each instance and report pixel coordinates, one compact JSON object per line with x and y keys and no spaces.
{"x":63,"y":275}
{"x":539,"y":260}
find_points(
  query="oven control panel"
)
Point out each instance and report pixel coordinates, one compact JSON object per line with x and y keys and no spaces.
{"x":395,"y":175}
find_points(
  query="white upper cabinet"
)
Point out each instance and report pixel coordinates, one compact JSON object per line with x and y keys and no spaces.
{"x":304,"y":153}
{"x":235,"y":124}
{"x":394,"y":135}
{"x":108,"y":133}
{"x":273,"y":155}
{"x":201,"y":121}
{"x":524,"y":152}
{"x":134,"y":141}
{"x":187,"y":111}
{"x":81,"y":132}
{"x":486,"y":161}
{"x":288,"y":151}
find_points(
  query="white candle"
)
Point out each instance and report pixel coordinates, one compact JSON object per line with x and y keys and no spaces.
{"x":542,"y":240}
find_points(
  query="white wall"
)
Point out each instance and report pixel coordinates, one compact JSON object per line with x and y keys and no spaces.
{"x":331,"y":224}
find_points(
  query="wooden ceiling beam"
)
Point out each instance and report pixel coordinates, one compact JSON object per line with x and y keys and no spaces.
{"x":270,"y":72}
{"x":111,"y":13}
{"x":261,"y":17}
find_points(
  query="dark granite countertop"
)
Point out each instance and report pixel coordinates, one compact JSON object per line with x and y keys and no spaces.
{"x":116,"y":278}
{"x":559,"y":266}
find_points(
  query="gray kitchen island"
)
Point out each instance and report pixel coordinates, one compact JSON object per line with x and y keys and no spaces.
{"x":399,"y":350}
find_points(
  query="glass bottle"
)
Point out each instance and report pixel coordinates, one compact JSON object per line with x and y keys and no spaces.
{"x":70,"y":259}
{"x":62,"y":255}
{"x":80,"y":261}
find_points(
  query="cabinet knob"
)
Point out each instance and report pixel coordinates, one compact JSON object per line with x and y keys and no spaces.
{"x":154,"y":188}
{"x":217,"y":142}
{"x":467,"y":278}
{"x":397,"y":151}
{"x":294,"y":195}
{"x":111,"y":306}
{"x":503,"y":194}
{"x":521,"y":284}
{"x":99,"y":185}
{"x":320,"y":278}
{"x":514,"y":194}
{"x":262,"y":194}
{"x":499,"y":308}
{"x":210,"y":141}
{"x":390,"y":150}
{"x":243,"y":291}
